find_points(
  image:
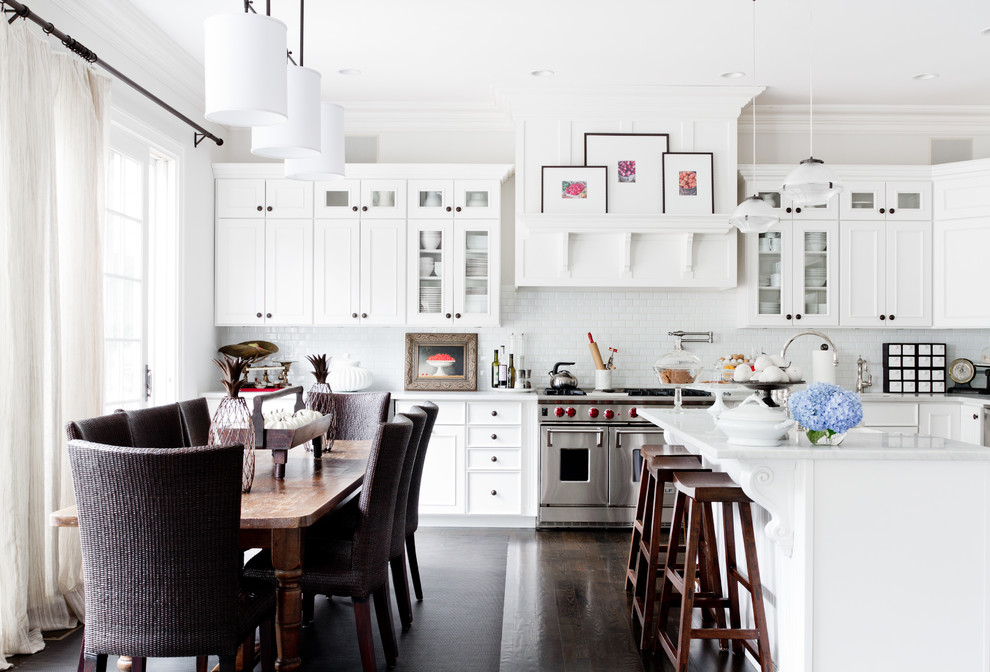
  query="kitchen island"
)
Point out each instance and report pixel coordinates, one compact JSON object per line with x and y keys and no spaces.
{"x":874,"y":553}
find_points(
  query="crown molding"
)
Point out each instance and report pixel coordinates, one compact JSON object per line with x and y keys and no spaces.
{"x":668,"y":102}
{"x":424,"y":117}
{"x":946,"y":120}
{"x":976,"y":168}
{"x":400,"y":171}
{"x":142,"y":51}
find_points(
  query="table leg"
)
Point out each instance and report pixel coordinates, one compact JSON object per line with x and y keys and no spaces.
{"x":318,"y":448}
{"x":287,"y":546}
{"x":279,"y":457}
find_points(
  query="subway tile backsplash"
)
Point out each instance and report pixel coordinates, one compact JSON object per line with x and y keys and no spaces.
{"x":556,"y":323}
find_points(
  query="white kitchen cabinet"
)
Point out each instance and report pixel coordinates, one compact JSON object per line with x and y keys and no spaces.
{"x":971,"y":423}
{"x":791,"y":275}
{"x":886,"y":274}
{"x":880,"y":200}
{"x":454,"y":199}
{"x":959,"y":291}
{"x":365,"y":199}
{"x":770,"y":190}
{"x":453,"y":273}
{"x":939,"y":419}
{"x":890,"y":416}
{"x":264,"y":271}
{"x":261,"y":198}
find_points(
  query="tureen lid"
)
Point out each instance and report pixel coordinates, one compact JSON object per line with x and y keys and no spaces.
{"x":753,"y":409}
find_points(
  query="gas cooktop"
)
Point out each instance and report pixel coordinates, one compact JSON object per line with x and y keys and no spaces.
{"x":627,"y":391}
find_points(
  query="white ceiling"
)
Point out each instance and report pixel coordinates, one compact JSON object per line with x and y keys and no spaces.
{"x":461,"y":52}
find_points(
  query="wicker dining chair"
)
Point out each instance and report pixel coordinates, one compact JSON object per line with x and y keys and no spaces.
{"x":359,"y":415}
{"x":159,"y":530}
{"x":412,"y":506}
{"x":357,"y":567}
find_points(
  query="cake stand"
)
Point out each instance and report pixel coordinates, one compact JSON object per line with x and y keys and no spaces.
{"x":765,"y":390}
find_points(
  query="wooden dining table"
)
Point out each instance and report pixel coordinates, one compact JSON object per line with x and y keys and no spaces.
{"x":275,"y":514}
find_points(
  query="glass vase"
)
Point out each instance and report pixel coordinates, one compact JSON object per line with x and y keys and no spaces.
{"x":825,"y":437}
{"x":320,"y":399}
{"x":232,"y":423}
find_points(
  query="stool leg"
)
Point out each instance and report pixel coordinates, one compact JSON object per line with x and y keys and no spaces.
{"x":637,"y":529}
{"x":711,"y":572}
{"x":653,"y":566}
{"x":687,"y":598}
{"x":756,"y":587}
{"x":731,"y":570}
{"x":666,"y":585}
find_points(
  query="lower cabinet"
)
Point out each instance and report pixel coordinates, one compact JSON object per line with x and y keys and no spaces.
{"x":934,"y":418}
{"x":479,"y":460}
{"x":971,"y":423}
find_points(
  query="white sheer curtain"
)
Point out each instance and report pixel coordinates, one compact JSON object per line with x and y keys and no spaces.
{"x":54,"y":120}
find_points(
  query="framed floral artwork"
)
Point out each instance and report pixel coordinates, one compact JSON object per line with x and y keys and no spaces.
{"x":635,"y":164}
{"x":687,"y":183}
{"x":440,"y":361}
{"x":575,"y":190}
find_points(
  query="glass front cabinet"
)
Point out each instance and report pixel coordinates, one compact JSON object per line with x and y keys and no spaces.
{"x":791,"y":275}
{"x":457,"y":199}
{"x":452,"y":270}
{"x":365,"y":199}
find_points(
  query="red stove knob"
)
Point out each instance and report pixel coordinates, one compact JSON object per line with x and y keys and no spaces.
{"x":571,"y":412}
{"x":559,"y":412}
{"x":592,"y":412}
{"x":609,"y":414}
{"x":633,"y":413}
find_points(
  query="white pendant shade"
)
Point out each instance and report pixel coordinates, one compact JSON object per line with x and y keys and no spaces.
{"x":754,"y":215}
{"x":298,"y":136}
{"x":329,"y":164}
{"x":811,"y":183}
{"x":245,"y":56}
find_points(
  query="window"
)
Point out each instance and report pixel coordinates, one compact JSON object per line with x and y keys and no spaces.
{"x":139,"y":280}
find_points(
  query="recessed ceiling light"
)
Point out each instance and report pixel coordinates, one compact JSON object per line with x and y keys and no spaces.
{"x":925,"y":75}
{"x":350,"y":71}
{"x":543,"y":73}
{"x":735,"y":74}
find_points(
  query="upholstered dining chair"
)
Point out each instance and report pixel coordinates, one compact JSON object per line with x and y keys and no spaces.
{"x":196,"y":420}
{"x":359,"y":415}
{"x":156,"y":427}
{"x":109,"y":429}
{"x":397,"y":552}
{"x":357,"y":566}
{"x":412,"y":506}
{"x":162,"y":568}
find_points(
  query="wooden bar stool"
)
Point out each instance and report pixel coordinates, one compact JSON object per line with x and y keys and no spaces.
{"x":645,"y":494}
{"x":650,"y":550}
{"x":696,"y":492}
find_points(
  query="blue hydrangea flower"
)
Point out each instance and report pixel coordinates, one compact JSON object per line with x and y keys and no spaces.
{"x":823,"y":407}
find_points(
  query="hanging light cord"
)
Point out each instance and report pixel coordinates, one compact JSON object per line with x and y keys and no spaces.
{"x":754,"y":93}
{"x":811,"y":79}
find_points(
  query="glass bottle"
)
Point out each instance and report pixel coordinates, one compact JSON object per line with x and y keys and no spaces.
{"x":512,"y":371}
{"x":503,"y":371}
{"x":495,"y":369}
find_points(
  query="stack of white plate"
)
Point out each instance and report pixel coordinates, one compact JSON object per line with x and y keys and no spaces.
{"x":429,"y":299}
{"x":477,"y":268}
{"x":477,"y":240}
{"x":815,"y":241}
{"x":815,"y":276}
{"x":769,"y":307}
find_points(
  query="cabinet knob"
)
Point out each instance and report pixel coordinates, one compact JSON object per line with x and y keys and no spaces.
{"x":354,"y":315}
{"x":797,"y":210}
{"x":457,"y":316}
{"x":364,"y":208}
{"x":787,"y":209}
{"x":787,"y":317}
{"x":268,"y":315}
{"x":447,"y":315}
{"x":448,"y":208}
{"x":976,"y":416}
{"x":354,"y":208}
{"x":457,"y":209}
{"x":494,"y":492}
{"x":364,"y":315}
{"x":269,"y":208}
{"x":260,"y":208}
{"x":495,"y":459}
{"x":890,"y":317}
{"x":494,"y":436}
{"x":494,"y":413}
{"x":890,"y":212}
{"x":259,"y":314}
{"x":798,"y":316}
{"x":882,"y":211}
{"x":883,"y":317}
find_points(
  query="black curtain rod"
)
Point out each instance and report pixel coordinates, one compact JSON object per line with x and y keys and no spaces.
{"x":21,"y":11}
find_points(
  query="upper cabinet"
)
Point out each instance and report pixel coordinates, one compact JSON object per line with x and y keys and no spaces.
{"x":366,"y":199}
{"x":770,"y":191}
{"x":458,"y":199}
{"x":261,"y":198}
{"x":886,"y":200}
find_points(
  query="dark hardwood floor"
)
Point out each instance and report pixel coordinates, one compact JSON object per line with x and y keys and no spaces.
{"x":564,"y":610}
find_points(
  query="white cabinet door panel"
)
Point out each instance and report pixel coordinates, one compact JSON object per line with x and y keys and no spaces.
{"x":863,"y":283}
{"x":442,"y":489}
{"x":289,"y":271}
{"x":939,"y":420}
{"x":288,"y":199}
{"x":240,"y":272}
{"x":243,"y":199}
{"x":494,"y":492}
{"x":960,"y":298}
{"x":383,"y":268}
{"x":909,"y":274}
{"x":337,"y":276}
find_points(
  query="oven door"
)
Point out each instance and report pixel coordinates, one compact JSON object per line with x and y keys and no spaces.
{"x":573,"y":466}
{"x":625,"y":467}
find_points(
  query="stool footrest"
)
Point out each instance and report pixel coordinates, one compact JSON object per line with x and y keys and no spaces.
{"x":723,"y":633}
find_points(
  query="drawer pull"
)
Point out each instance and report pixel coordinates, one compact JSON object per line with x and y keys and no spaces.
{"x":494,"y":413}
{"x":494,"y":436}
{"x":495,"y":459}
{"x":494,"y":492}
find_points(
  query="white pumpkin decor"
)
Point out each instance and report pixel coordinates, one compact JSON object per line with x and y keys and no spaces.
{"x":346,"y":374}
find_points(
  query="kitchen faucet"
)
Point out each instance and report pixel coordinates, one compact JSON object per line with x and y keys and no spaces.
{"x":835,"y":353}
{"x":861,"y":367}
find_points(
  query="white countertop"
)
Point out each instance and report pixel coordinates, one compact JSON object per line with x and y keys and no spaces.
{"x":697,"y":429}
{"x":925,"y":398}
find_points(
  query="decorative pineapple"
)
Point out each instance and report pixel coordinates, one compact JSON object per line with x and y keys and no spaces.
{"x":320,"y":397}
{"x":232,"y":423}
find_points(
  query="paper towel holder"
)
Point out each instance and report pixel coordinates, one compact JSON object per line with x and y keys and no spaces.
{"x":811,"y":332}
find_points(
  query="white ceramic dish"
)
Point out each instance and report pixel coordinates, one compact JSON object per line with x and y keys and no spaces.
{"x":753,"y":423}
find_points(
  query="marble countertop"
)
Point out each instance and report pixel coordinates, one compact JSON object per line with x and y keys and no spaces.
{"x":697,"y":429}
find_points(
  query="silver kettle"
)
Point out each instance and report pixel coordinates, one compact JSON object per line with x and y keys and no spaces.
{"x":562,"y":380}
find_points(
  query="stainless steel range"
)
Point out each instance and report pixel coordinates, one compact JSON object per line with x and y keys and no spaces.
{"x":590,"y":459}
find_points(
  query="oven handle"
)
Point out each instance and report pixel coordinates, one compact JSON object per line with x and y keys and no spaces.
{"x":599,"y":432}
{"x":620,"y":432}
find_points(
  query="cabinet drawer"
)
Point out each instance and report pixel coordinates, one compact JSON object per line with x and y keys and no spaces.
{"x":494,"y":412}
{"x":890,"y":414}
{"x":494,"y":458}
{"x":495,"y":437}
{"x":494,"y":493}
{"x":450,"y":413}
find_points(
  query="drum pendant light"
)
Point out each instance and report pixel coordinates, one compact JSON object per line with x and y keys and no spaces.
{"x":811,"y":183}
{"x":329,"y":164}
{"x":298,"y":136}
{"x":754,"y":215}
{"x":245,"y":70}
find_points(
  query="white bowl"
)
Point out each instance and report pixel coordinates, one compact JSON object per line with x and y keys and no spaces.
{"x":429,"y":240}
{"x":753,"y":423}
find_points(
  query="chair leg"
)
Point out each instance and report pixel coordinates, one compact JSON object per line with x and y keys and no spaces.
{"x":139,"y":664}
{"x":202,"y":663}
{"x":687,"y":599}
{"x":666,"y":597}
{"x":386,"y":629}
{"x":756,"y":587}
{"x":731,"y":569}
{"x":228,"y":663}
{"x":401,"y":585}
{"x":308,"y":607}
{"x":92,"y":662}
{"x":711,"y":570}
{"x":366,"y":641}
{"x":268,"y":651}
{"x":414,"y":565}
